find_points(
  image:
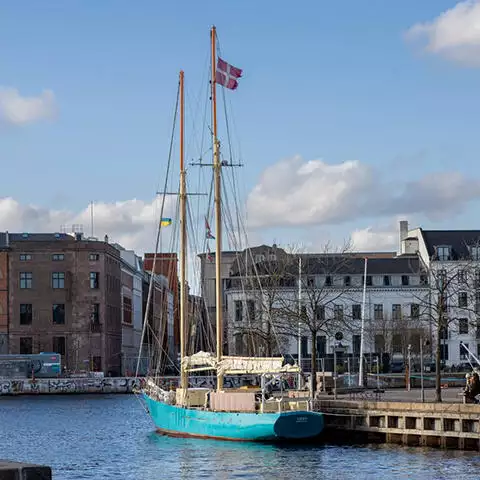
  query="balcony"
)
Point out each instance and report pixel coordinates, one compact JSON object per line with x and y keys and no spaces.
{"x":95,"y":327}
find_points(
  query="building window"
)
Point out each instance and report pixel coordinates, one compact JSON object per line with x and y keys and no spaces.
{"x":311,"y":281}
{"x":58,"y":344}
{"x":58,"y":280}
{"x":386,"y":280}
{"x":475,"y":252}
{"x":463,"y":326}
{"x":321,"y":346}
{"x":127,"y":310}
{"x":26,"y":314}
{"x":25,"y":279}
{"x":443,"y":253}
{"x":378,"y":311}
{"x":24,"y":257}
{"x":444,"y":333}
{"x":356,"y":311}
{"x":347,"y":281}
{"x":379,"y":343}
{"x":415,"y":311}
{"x":443,"y":352}
{"x":251,"y":310}
{"x":356,"y":344}
{"x":95,"y":318}
{"x":94,"y":257}
{"x":396,"y":311}
{"x":328,"y":281}
{"x":239,"y":344}
{"x":97,"y":363}
{"x":423,"y":280}
{"x":94,"y":276}
{"x":463,"y":352}
{"x":461,"y":276}
{"x":26,"y":345}
{"x":58,"y":257}
{"x":58,"y":314}
{"x":320,"y":312}
{"x":238,"y":310}
{"x":304,"y":343}
{"x":368,"y":282}
{"x":462,"y":300}
{"x":405,"y":280}
{"x":338,"y":313}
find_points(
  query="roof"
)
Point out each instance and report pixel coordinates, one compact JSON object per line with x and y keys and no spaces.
{"x":346,"y":264}
{"x":458,"y":240}
{"x":32,"y":237}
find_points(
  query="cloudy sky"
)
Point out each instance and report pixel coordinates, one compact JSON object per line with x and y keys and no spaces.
{"x":350,"y":116}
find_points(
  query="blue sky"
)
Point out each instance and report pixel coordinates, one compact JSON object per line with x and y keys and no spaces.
{"x":335,"y":81}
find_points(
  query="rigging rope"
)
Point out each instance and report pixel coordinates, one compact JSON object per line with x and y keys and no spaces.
{"x":159,"y":227}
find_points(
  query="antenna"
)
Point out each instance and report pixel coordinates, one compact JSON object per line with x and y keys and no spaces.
{"x":91,"y":217}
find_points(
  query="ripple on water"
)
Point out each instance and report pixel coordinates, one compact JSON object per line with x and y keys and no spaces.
{"x":110,"y":437}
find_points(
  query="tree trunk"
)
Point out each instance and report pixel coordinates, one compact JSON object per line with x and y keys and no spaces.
{"x":438,"y":387}
{"x":269,"y":340}
{"x":314,"y":363}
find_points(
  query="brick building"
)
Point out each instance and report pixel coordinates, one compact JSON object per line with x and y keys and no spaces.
{"x":3,"y":299}
{"x":166,"y":265}
{"x":64,"y":296}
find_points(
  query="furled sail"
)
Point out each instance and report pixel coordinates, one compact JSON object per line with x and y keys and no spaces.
{"x":237,"y":365}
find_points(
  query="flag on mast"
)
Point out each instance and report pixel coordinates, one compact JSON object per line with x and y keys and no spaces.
{"x":209,"y":232}
{"x":227,"y":75}
{"x":165,"y":222}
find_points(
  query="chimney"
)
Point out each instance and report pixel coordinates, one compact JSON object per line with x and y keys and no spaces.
{"x":106,"y":239}
{"x":7,"y":239}
{"x":403,"y":235}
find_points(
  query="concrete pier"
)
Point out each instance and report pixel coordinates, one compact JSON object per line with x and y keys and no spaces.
{"x":23,"y":471}
{"x":443,"y":425}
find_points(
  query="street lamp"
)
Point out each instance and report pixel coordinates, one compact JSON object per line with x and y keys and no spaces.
{"x":409,"y":366}
{"x":423,"y":343}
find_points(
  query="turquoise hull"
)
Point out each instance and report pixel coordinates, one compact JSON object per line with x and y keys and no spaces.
{"x":260,"y":427}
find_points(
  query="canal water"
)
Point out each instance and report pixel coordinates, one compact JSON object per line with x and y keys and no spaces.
{"x":111,"y":437}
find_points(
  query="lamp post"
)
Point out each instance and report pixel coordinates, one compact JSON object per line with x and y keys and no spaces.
{"x":409,"y":386}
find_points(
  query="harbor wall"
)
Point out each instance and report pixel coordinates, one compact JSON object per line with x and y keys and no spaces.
{"x":68,"y":385}
{"x":442,"y":425}
{"x":81,"y":385}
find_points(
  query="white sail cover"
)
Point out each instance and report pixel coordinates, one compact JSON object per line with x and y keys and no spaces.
{"x":238,"y":365}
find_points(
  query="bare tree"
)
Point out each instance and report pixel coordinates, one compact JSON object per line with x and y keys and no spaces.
{"x":323,"y":292}
{"x":263,"y":276}
{"x":452,"y":298}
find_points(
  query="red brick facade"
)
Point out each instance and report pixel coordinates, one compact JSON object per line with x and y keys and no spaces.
{"x":65,"y":294}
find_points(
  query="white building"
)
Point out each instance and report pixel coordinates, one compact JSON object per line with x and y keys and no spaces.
{"x":452,"y":255}
{"x":333,"y":286}
{"x":132,"y":309}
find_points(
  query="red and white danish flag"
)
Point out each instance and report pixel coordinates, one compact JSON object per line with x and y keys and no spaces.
{"x":227,"y":75}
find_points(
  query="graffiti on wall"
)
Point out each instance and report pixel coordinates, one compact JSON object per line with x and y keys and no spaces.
{"x":70,"y":385}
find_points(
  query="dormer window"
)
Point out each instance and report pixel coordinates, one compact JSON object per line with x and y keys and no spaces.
{"x":474,"y":252}
{"x":443,"y":253}
{"x":259,"y":258}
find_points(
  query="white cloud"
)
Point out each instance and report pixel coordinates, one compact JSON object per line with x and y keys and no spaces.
{"x":294,"y":192}
{"x":455,"y":33}
{"x":18,"y":110}
{"x":131,"y":223}
{"x":383,"y":238}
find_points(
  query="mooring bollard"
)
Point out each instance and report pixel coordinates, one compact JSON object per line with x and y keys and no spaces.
{"x":23,"y":471}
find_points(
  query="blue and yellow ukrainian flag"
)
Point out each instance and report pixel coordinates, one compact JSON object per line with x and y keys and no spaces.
{"x":165,"y":222}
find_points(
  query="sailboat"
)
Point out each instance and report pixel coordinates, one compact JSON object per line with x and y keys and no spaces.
{"x":223,"y":413}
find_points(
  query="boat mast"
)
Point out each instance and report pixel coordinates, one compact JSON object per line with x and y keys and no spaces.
{"x":218,"y":214}
{"x":362,"y":330}
{"x":183,"y":240}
